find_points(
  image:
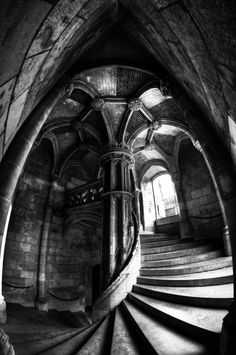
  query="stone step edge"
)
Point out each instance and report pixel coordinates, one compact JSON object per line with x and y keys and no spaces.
{"x":210,"y":281}
{"x":137,"y":330}
{"x":179,"y":246}
{"x":207,"y":336}
{"x":157,"y":244}
{"x":179,"y":259}
{"x":89,"y":331}
{"x":106,"y":329}
{"x":187,"y":269}
{"x":150,"y":239}
{"x":205,"y":302}
{"x":19,"y":339}
{"x":176,"y":253}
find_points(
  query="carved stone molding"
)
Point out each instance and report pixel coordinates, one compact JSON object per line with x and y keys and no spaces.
{"x":98,"y":104}
{"x":117,"y":151}
{"x":117,"y":155}
{"x":135,"y":104}
{"x":84,"y":195}
{"x":117,"y":147}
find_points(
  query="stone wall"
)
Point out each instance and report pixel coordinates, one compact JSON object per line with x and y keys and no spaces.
{"x":72,"y":250}
{"x":199,"y":193}
{"x":72,"y":253}
{"x":23,"y":239}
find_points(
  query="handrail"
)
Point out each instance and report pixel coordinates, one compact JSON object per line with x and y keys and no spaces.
{"x":115,"y":283}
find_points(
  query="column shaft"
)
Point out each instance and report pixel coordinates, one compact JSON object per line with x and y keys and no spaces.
{"x":41,"y":298}
{"x":117,"y":199}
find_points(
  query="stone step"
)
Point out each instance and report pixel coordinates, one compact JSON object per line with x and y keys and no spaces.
{"x":205,"y":322}
{"x":149,"y":239}
{"x":206,"y":278}
{"x":213,"y":264}
{"x":24,"y":320}
{"x":70,"y":346}
{"x":178,"y":253}
{"x":33,"y":344}
{"x":100,"y":342}
{"x":183,"y":260}
{"x":149,"y":233}
{"x":173,"y":247}
{"x":159,"y":335}
{"x":123,"y":341}
{"x":72,"y":319}
{"x":217,"y":296}
{"x":162,"y":243}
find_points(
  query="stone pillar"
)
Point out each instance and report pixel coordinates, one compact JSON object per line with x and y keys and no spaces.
{"x":185,"y":227}
{"x":41,"y":298}
{"x":117,"y":210}
{"x":13,"y":163}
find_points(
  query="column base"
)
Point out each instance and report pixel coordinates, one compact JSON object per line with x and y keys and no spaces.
{"x":226,"y":240}
{"x":228,"y":339}
{"x":3,"y":311}
{"x":41,"y":305}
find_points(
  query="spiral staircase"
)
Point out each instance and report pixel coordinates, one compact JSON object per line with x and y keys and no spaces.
{"x":176,"y":307}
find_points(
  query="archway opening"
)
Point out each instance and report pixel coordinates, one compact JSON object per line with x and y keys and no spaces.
{"x":160,"y":205}
{"x":165,"y":202}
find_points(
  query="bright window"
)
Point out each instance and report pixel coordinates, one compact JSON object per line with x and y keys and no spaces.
{"x":165,"y":196}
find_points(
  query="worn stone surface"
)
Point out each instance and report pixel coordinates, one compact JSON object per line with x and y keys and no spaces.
{"x":23,"y":240}
{"x":199,"y":193}
{"x":191,"y":42}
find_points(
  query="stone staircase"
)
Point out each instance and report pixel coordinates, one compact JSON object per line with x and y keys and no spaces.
{"x":176,"y":307}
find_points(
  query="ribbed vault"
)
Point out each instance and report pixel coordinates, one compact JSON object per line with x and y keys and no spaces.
{"x":193,"y":41}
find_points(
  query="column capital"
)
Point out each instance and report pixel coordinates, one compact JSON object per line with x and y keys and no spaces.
{"x":117,"y":151}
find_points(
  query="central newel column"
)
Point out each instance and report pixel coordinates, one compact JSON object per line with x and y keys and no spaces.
{"x":117,"y":162}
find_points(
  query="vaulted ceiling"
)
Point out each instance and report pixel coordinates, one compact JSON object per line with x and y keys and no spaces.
{"x":192,"y":41}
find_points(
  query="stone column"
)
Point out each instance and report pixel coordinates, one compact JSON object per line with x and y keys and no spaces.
{"x":117,"y":210}
{"x":185,"y":227}
{"x":41,"y":298}
{"x":13,"y":163}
